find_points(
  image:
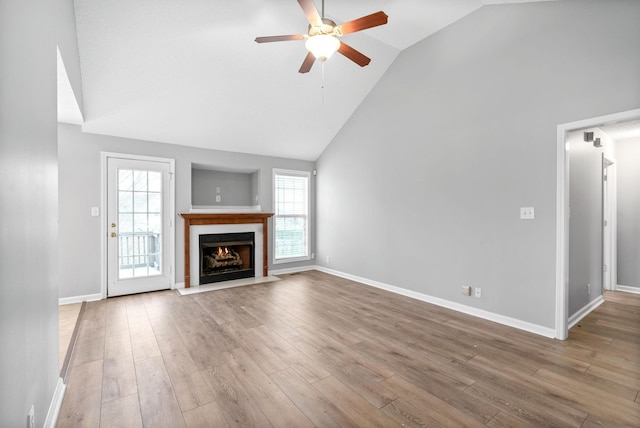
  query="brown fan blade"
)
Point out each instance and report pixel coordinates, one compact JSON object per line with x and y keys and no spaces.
{"x":279,"y":38}
{"x":353,"y":55}
{"x":369,"y":21}
{"x":307,"y":63}
{"x":310,"y":10}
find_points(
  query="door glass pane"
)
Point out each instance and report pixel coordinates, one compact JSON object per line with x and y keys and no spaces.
{"x":125,"y":201}
{"x":155,"y":202}
{"x":140,"y":202}
{"x":126,"y":223}
{"x":125,"y":179}
{"x":140,"y":228}
{"x":155,"y":181}
{"x":140,"y":180}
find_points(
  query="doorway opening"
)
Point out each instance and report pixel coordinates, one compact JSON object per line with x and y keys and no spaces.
{"x":563,"y":209}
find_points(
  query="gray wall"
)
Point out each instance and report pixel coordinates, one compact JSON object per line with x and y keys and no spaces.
{"x":28,"y":211}
{"x":585,"y":223}
{"x":628,"y":190}
{"x":236,"y":189}
{"x":79,"y":164}
{"x":457,"y":136}
{"x":67,"y":40}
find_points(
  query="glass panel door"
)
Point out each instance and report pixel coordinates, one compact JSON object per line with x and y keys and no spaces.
{"x":137,"y":204}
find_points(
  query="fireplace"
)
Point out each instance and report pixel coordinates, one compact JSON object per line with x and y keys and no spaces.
{"x":196,"y":224}
{"x":226,"y":256}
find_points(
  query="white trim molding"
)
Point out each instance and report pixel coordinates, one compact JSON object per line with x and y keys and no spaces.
{"x":56,"y":404}
{"x":286,"y":271}
{"x":628,"y":289}
{"x":562,"y":211}
{"x":79,"y":299}
{"x":586,"y":310}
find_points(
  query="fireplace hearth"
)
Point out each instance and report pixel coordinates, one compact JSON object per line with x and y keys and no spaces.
{"x":226,"y":256}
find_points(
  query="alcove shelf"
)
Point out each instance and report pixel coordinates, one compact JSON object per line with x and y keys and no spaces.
{"x":224,"y":189}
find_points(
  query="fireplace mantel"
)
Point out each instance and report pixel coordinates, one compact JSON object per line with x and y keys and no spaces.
{"x":197,"y":219}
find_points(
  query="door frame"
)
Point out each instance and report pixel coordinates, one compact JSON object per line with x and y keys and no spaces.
{"x":609,"y":208}
{"x":171,"y":256}
{"x":562,"y":210}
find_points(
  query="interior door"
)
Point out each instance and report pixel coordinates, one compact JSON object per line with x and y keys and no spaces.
{"x":138,"y":226}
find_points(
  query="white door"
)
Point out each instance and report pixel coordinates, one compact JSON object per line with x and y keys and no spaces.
{"x":138,"y":226}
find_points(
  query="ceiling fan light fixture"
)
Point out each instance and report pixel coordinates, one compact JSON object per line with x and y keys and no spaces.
{"x":322,"y":46}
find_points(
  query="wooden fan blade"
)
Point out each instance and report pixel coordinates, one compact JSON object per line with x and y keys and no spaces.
{"x":369,"y":21}
{"x":267,"y":39}
{"x":353,"y":55}
{"x":310,"y":10}
{"x":307,"y":63}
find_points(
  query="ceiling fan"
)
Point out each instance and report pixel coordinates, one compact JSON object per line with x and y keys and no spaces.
{"x":322,"y":37}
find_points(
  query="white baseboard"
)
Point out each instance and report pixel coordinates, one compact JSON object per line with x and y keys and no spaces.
{"x":286,"y":271}
{"x":79,"y":299}
{"x":586,"y":310}
{"x":628,"y":289}
{"x":56,"y":404}
{"x":490,"y":316}
{"x":178,"y":285}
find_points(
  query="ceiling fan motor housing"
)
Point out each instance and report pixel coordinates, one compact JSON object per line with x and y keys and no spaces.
{"x":328,"y":27}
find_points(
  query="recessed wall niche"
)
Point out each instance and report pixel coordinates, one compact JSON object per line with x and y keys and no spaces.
{"x":217,"y":187}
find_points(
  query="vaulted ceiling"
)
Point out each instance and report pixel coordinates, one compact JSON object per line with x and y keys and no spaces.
{"x":190,"y":72}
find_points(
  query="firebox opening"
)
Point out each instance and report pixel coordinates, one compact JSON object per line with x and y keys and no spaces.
{"x":226,"y":256}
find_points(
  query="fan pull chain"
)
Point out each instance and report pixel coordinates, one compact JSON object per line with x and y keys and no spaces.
{"x":323,"y":82}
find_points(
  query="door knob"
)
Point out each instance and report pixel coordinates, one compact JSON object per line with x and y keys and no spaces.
{"x":113,"y":225}
{"x":113,"y":234}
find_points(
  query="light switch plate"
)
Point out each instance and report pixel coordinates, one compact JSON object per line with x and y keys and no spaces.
{"x":95,"y":211}
{"x":527,"y":213}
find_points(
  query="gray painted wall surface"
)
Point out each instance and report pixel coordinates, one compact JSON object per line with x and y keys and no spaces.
{"x":585,"y":223}
{"x":236,"y":189}
{"x":79,"y":165}
{"x":432,"y":168}
{"x":67,"y":40}
{"x":628,"y":169}
{"x":28,"y":211}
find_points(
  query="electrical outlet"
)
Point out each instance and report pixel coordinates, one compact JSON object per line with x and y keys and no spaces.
{"x":313,"y":256}
{"x":218,"y":198}
{"x":328,"y":258}
{"x":477,"y":292}
{"x":588,"y":288}
{"x":466,"y":290}
{"x":527,"y":213}
{"x":31,"y":417}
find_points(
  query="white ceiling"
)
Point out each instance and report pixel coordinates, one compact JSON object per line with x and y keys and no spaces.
{"x":623,"y":131}
{"x":190,"y":73}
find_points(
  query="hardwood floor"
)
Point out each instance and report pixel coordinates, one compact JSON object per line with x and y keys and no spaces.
{"x":67,"y":317}
{"x":317,"y":350}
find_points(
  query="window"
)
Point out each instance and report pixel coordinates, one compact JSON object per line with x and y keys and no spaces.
{"x":291,"y":219}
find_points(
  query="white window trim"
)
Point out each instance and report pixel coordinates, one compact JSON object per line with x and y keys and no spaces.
{"x":295,"y":173}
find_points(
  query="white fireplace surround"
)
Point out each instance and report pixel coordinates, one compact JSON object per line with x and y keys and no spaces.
{"x":194,"y":245}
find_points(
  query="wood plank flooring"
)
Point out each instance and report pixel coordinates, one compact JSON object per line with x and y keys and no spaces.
{"x":67,"y":317}
{"x":317,"y":350}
